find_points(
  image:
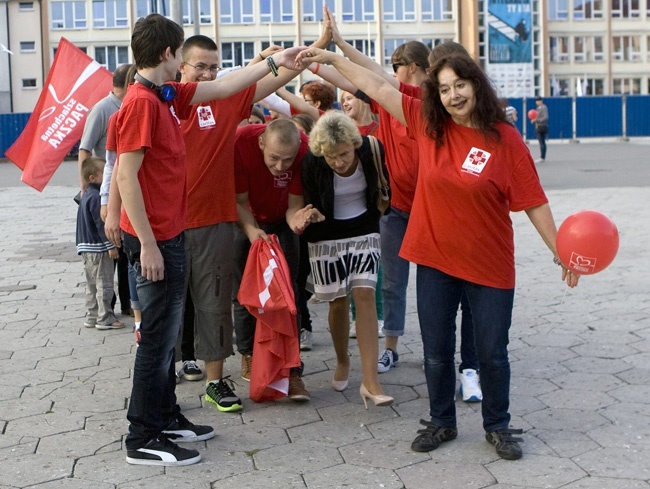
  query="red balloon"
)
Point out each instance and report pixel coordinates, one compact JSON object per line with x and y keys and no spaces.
{"x":532,"y":114}
{"x":587,"y":242}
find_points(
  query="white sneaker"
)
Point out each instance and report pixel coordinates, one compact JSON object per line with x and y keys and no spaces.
{"x":380,"y":333}
{"x":353,"y":329}
{"x":387,"y":360}
{"x":470,"y":388}
{"x":306,"y":342}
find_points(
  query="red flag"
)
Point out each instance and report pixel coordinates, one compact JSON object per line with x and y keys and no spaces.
{"x":267,"y":292}
{"x":75,"y":83}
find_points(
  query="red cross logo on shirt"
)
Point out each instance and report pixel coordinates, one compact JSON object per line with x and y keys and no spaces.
{"x":479,"y":158}
{"x":475,"y":161}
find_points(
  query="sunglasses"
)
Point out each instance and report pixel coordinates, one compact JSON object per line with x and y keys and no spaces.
{"x":397,"y":65}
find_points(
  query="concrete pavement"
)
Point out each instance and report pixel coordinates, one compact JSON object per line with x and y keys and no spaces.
{"x":580,"y":377}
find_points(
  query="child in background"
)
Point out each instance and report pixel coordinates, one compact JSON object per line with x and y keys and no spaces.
{"x":96,"y":251}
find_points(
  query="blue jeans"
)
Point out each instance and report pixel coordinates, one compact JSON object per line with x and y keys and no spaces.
{"x":438,"y":295}
{"x":133,"y":291}
{"x":395,"y":279}
{"x":153,"y":398}
{"x":541,"y":137}
{"x":468,"y":357}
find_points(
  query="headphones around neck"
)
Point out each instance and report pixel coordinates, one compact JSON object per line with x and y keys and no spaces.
{"x":165,"y":92}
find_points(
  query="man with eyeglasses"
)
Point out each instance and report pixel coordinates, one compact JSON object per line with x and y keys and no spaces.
{"x":209,"y":135}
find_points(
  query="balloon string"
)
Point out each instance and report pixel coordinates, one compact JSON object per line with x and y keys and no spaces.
{"x":566,"y":289}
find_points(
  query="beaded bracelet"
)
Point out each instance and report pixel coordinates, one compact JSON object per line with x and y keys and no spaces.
{"x":557,"y":261}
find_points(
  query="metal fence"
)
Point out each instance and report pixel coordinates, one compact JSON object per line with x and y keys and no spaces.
{"x":589,"y":117}
{"x":574,"y":118}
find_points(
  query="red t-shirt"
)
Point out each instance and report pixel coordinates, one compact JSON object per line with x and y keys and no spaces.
{"x":460,"y":221}
{"x":111,"y":133}
{"x":401,"y":153}
{"x":268,"y":195}
{"x":370,"y":129}
{"x":209,"y":135}
{"x":146,"y":122}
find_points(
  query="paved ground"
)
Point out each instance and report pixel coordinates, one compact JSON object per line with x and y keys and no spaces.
{"x":580,"y":363}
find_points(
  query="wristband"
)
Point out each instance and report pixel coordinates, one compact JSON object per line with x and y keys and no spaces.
{"x":260,"y":55}
{"x":272,"y":66}
{"x":315,"y":72}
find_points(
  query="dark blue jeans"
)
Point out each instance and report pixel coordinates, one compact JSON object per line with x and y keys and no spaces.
{"x":468,"y":357}
{"x":438,"y":295}
{"x":541,"y":137}
{"x":153,"y":398}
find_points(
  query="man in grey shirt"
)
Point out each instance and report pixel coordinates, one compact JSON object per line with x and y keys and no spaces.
{"x":93,"y":140}
{"x":541,"y":127}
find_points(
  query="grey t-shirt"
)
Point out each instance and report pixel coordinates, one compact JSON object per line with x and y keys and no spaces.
{"x":93,"y":139}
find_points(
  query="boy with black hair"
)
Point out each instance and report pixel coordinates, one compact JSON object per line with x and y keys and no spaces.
{"x":151,"y":181}
{"x":96,"y":251}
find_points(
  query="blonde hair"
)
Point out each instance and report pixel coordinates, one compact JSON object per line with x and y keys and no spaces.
{"x":91,"y":166}
{"x":332,"y":129}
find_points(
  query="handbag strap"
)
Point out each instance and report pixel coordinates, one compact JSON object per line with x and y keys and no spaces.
{"x":376,"y":156}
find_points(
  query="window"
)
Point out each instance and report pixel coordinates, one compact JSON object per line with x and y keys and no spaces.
{"x":579,"y":49}
{"x":205,"y":13}
{"x":236,"y":11}
{"x":276,"y":11}
{"x":626,"y":48}
{"x":111,"y":56}
{"x":433,"y":42}
{"x":626,"y":9}
{"x":27,"y":46}
{"x":587,"y":49}
{"x":69,"y":15}
{"x":283,"y":44}
{"x":109,"y":13}
{"x":358,"y":10}
{"x":29,"y":83}
{"x":587,"y":9}
{"x":558,"y":9}
{"x":389,"y":47}
{"x":366,"y":46}
{"x":25,"y":6}
{"x":559,"y":49}
{"x":598,"y":54}
{"x":399,"y":10}
{"x":629,"y":86}
{"x":146,"y":7}
{"x":237,"y":53}
{"x":560,"y":87}
{"x":593,"y":86}
{"x":312,"y":10}
{"x":437,"y":10}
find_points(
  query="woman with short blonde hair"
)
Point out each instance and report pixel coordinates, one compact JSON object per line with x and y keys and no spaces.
{"x":340,"y":179}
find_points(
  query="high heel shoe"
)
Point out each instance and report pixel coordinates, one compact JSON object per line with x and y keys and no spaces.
{"x":339,"y":385}
{"x":379,"y":400}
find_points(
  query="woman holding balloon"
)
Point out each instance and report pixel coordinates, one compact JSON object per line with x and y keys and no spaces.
{"x":474,"y":170}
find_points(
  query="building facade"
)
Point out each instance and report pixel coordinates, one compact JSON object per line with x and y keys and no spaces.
{"x":529,"y":47}
{"x":24,"y":59}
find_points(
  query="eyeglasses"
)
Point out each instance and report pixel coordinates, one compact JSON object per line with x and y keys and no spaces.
{"x":205,"y":68}
{"x":397,"y":65}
